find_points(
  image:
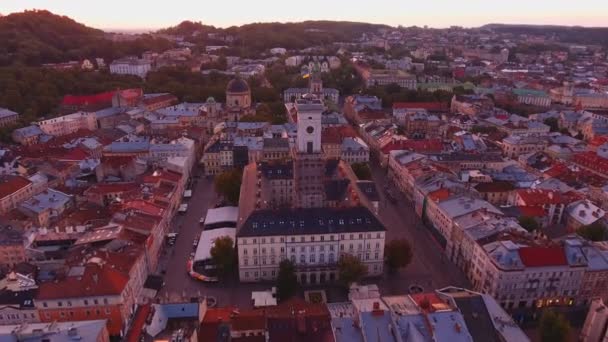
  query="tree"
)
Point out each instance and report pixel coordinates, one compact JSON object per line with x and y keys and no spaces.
{"x":228,"y":184}
{"x":593,"y":232}
{"x":553,"y":327}
{"x":350,"y":269}
{"x":398,"y":254}
{"x":529,"y":223}
{"x":553,"y":123}
{"x":224,"y":255}
{"x":287,"y":282}
{"x":362,"y":171}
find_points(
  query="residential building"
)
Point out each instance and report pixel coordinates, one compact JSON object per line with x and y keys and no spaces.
{"x":89,"y":330}
{"x":14,"y":190}
{"x":17,"y":293}
{"x":27,"y":136}
{"x":12,"y":247}
{"x":47,"y":207}
{"x":532,"y":97}
{"x":594,"y":328}
{"x":354,"y":150}
{"x":8,"y":117}
{"x":552,"y":202}
{"x":582,"y":213}
{"x":514,"y":146}
{"x":68,"y":124}
{"x":383,"y":77}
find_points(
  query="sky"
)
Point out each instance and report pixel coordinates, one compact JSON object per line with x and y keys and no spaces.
{"x":153,"y":14}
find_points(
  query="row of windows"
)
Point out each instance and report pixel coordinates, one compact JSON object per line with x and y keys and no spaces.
{"x":71,"y":313}
{"x":69,"y":303}
{"x":313,"y":238}
{"x":16,"y":316}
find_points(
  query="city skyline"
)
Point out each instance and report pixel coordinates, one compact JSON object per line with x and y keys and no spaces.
{"x":434,"y":13}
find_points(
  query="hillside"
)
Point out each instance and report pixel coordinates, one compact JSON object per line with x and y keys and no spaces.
{"x":566,"y":34}
{"x":37,"y":37}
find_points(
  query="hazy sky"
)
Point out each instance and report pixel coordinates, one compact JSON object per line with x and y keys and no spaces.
{"x":139,"y":14}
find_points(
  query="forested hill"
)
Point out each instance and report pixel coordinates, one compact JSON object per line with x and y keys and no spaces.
{"x":36,"y":37}
{"x":300,"y":35}
{"x":251,"y":39}
{"x":567,"y":34}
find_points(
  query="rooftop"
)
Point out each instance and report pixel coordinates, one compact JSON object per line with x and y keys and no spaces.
{"x":310,"y":221}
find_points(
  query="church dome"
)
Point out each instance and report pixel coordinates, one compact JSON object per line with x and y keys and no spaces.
{"x":237,"y":85}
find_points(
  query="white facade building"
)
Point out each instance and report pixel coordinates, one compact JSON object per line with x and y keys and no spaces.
{"x":313,"y":239}
{"x":131,"y":66}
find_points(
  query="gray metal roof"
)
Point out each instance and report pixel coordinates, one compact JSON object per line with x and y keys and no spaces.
{"x":310,"y":221}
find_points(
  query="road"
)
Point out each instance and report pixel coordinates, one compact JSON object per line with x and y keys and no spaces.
{"x":178,"y":284}
{"x":429,"y":268}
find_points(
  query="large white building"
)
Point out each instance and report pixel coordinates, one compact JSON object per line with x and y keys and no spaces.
{"x":312,"y":238}
{"x":131,"y":66}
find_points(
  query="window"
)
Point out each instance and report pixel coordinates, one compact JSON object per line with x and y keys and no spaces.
{"x":312,"y":258}
{"x":62,"y":314}
{"x":69,"y":303}
{"x":95,"y":301}
{"x":45,"y":304}
{"x":86,"y":302}
{"x":59,"y":303}
{"x":245,"y":251}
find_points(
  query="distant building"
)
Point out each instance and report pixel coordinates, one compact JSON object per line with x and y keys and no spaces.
{"x":315,"y":87}
{"x":383,"y":77}
{"x":532,"y":97}
{"x":67,"y":124}
{"x":131,"y":66}
{"x":238,"y":94}
{"x":8,"y":117}
{"x":13,"y":190}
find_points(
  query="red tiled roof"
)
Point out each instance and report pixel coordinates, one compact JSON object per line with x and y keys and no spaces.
{"x":135,"y":331}
{"x":498,"y":186}
{"x":420,"y":146}
{"x":156,"y":176}
{"x":83,"y":100}
{"x":431,"y":298}
{"x":96,"y":280}
{"x":542,"y":256}
{"x":440,"y":194}
{"x":536,"y":197}
{"x":75,"y":154}
{"x":160,"y":98}
{"x":144,"y":207}
{"x":109,"y":188}
{"x":117,"y":161}
{"x":598,"y":140}
{"x":430,"y":106}
{"x":12,"y":184}
{"x":592,"y":161}
{"x":532,"y":211}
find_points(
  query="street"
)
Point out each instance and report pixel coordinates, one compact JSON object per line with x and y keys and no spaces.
{"x":429,"y":268}
{"x":179,"y":285}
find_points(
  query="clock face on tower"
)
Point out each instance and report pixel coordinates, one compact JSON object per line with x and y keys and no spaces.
{"x":310,"y":129}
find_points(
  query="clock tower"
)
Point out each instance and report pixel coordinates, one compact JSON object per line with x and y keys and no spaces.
{"x":308,"y":159}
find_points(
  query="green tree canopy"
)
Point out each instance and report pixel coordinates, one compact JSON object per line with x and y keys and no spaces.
{"x":553,"y":327}
{"x":398,"y":254}
{"x":287,"y":282}
{"x":593,"y":232}
{"x":228,"y":184}
{"x":529,"y":223}
{"x":224,"y":254}
{"x":553,"y":123}
{"x":350,"y":269}
{"x":362,"y":171}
